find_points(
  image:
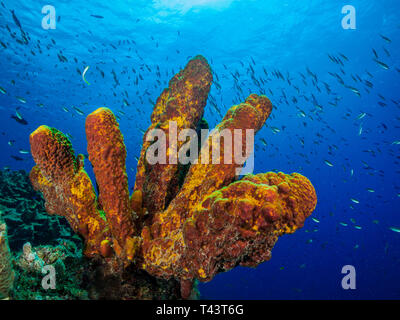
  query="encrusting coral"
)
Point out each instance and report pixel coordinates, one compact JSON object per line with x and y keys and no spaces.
{"x":180,"y":223}
{"x":6,"y":270}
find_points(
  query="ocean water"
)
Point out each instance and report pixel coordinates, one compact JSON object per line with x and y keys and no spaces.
{"x":336,"y":122}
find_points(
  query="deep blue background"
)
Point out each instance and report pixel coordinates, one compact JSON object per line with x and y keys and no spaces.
{"x":288,"y":36}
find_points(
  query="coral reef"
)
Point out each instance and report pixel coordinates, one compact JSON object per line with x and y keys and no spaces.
{"x":53,"y":242}
{"x":181,"y":223}
{"x":22,"y":209}
{"x":70,"y":267}
{"x":6,"y":269}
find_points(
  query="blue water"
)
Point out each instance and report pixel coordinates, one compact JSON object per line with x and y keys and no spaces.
{"x":286,"y":36}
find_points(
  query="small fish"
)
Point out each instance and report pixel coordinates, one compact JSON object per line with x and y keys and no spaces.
{"x":78,"y":111}
{"x":263,"y":141}
{"x":328,"y":163}
{"x":315,"y":220}
{"x":382,"y":64}
{"x":301,"y":114}
{"x":370,"y":190}
{"x":20,"y":99}
{"x":358,"y":227}
{"x":361,"y":115}
{"x":382,"y":104}
{"x":368,"y":83}
{"x":22,"y":151}
{"x":83,"y":75}
{"x":11,"y":142}
{"x":344,"y":57}
{"x":97,"y":16}
{"x":355,"y":90}
{"x":19,"y":118}
{"x":354,"y":200}
{"x":2,"y":90}
{"x":16,"y":19}
{"x":395,"y":229}
{"x":275,"y":130}
{"x":17,"y":158}
{"x":386,"y":39}
{"x":396,"y":142}
{"x":344,"y":224}
{"x":18,"y":115}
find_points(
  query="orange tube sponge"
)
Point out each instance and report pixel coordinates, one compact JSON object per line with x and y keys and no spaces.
{"x":107,"y":154}
{"x":66,"y":186}
{"x":53,"y":153}
{"x":182,"y":102}
{"x":163,"y":242}
{"x":238,"y":224}
{"x":208,"y":223}
{"x":248,"y":115}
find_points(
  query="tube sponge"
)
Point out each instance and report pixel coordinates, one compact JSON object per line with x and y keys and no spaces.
{"x":6,"y":271}
{"x":182,"y":102}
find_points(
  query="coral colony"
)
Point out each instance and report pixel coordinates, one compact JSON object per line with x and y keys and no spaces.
{"x":183,"y":221}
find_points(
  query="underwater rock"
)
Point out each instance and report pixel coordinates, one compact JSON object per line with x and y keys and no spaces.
{"x":175,"y":232}
{"x":24,"y":213}
{"x":69,"y":266}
